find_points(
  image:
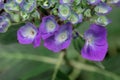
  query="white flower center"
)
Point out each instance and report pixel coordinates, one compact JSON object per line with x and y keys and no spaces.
{"x":50,"y":26}
{"x":89,"y":40}
{"x":62,"y":37}
{"x":29,"y":32}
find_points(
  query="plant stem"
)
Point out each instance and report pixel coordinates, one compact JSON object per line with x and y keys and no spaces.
{"x":58,"y":64}
{"x":90,"y":68}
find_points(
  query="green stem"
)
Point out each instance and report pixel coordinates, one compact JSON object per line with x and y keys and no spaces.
{"x":58,"y":64}
{"x":90,"y":68}
{"x":28,"y":57}
{"x":74,"y":64}
{"x":17,"y":23}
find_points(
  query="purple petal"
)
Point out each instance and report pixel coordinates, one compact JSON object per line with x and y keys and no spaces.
{"x":37,"y":40}
{"x":48,"y":26}
{"x":27,"y":33}
{"x":96,"y":45}
{"x":61,"y":40}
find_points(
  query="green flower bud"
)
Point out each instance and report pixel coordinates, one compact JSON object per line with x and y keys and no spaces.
{"x":24,"y":15}
{"x":15,"y":17}
{"x":87,"y":13}
{"x":11,"y":7}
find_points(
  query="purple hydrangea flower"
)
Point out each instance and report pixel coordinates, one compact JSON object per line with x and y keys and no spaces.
{"x":66,"y":1}
{"x":103,"y":9}
{"x":93,"y":2}
{"x":29,"y":34}
{"x":4,"y":24}
{"x":61,"y":39}
{"x":48,"y":26}
{"x":96,"y":45}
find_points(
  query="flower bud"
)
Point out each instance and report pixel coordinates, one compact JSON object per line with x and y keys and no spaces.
{"x":102,"y":9}
{"x":102,"y":20}
{"x":15,"y":17}
{"x":46,"y":4}
{"x":11,"y":7}
{"x":87,"y":13}
{"x":4,"y":24}
{"x":24,"y":15}
{"x":64,"y":11}
{"x":29,"y":6}
{"x":74,"y":18}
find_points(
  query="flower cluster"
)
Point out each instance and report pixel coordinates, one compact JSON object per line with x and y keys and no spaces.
{"x":58,"y":21}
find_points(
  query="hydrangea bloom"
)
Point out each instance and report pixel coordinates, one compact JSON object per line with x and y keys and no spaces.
{"x":28,"y":34}
{"x":61,"y":39}
{"x":56,"y":19}
{"x":96,"y":45}
{"x":48,"y":26}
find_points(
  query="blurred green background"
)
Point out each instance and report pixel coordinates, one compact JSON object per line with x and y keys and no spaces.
{"x":23,"y":62}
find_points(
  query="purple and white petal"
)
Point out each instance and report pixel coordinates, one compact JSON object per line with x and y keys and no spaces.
{"x":27,"y":33}
{"x":61,"y":40}
{"x":37,"y":40}
{"x":48,"y":26}
{"x":96,"y":45}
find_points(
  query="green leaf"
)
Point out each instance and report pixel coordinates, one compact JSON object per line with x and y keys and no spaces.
{"x":11,"y":35}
